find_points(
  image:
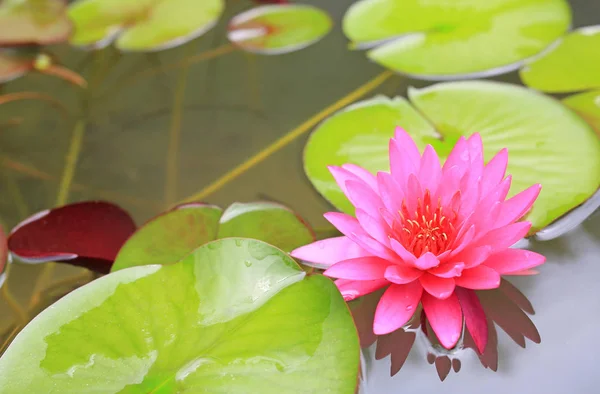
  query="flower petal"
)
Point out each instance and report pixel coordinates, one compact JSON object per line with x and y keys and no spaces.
{"x":400,"y":274}
{"x":512,"y":260}
{"x":360,"y":268}
{"x":407,"y":144}
{"x":475,"y":318}
{"x":363,"y":197}
{"x":329,"y":251}
{"x":350,"y":227}
{"x":352,"y":289}
{"x":449,"y":185}
{"x":479,"y":278}
{"x":445,"y":317}
{"x":463,"y":239}
{"x":448,"y":270}
{"x":494,"y":171}
{"x":396,"y":307}
{"x":504,"y":237}
{"x":412,"y":193}
{"x":458,"y":157}
{"x":390,"y":192}
{"x":401,"y":165}
{"x":473,"y":256}
{"x":426,"y":261}
{"x":376,"y":227}
{"x":430,"y":171}
{"x":401,"y":251}
{"x":516,"y":207}
{"x":341,"y":176}
{"x":362,"y":174}
{"x":441,"y":288}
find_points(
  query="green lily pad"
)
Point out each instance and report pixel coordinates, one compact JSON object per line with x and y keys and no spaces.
{"x":570,"y":66}
{"x":546,"y":141}
{"x":171,"y":236}
{"x":278,"y":28}
{"x":13,"y":65}
{"x":450,"y":39}
{"x":587,"y":105}
{"x":33,"y":22}
{"x":236,"y":316}
{"x":142,"y":25}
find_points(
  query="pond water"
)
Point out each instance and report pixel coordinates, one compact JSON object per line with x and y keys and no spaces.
{"x":149,"y":141}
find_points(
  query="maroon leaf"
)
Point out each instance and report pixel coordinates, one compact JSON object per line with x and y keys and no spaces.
{"x":87,"y":234}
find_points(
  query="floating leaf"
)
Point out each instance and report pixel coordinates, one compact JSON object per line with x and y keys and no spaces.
{"x":570,"y":66}
{"x":40,"y":22}
{"x":236,"y":316}
{"x":266,"y":221}
{"x":3,"y":255}
{"x":547,"y":142}
{"x":587,"y":105}
{"x":171,"y":236}
{"x":450,"y":39}
{"x":13,"y":65}
{"x":276,"y":29}
{"x":142,"y":25}
{"x":87,"y":234}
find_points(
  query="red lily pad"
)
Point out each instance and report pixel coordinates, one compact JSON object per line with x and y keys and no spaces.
{"x":3,"y":255}
{"x":87,"y":234}
{"x":33,"y":22}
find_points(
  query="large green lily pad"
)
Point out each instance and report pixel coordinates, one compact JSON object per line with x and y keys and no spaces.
{"x":33,"y":22}
{"x":570,"y":66}
{"x":455,"y":38}
{"x":546,"y":141}
{"x":236,"y":316}
{"x":587,"y":105}
{"x":142,"y":25}
{"x":278,"y":28}
{"x":171,"y":236}
{"x":13,"y":65}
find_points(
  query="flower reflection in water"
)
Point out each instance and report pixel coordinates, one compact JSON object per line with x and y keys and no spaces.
{"x":505,"y":307}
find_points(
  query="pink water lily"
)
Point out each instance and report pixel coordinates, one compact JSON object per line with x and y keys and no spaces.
{"x":429,"y":234}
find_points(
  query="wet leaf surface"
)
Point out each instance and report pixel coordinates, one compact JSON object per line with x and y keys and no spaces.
{"x":236,"y":316}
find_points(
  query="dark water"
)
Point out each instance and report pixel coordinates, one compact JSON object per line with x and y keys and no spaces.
{"x":232,"y":107}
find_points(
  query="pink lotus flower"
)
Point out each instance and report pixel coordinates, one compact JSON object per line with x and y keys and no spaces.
{"x":431,"y":234}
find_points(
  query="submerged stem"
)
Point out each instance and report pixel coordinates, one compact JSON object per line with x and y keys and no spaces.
{"x":171,"y":180}
{"x":16,"y":307}
{"x":289,"y":137}
{"x":11,"y":97}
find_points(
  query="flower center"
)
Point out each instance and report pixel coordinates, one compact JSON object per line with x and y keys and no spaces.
{"x":428,"y":229}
